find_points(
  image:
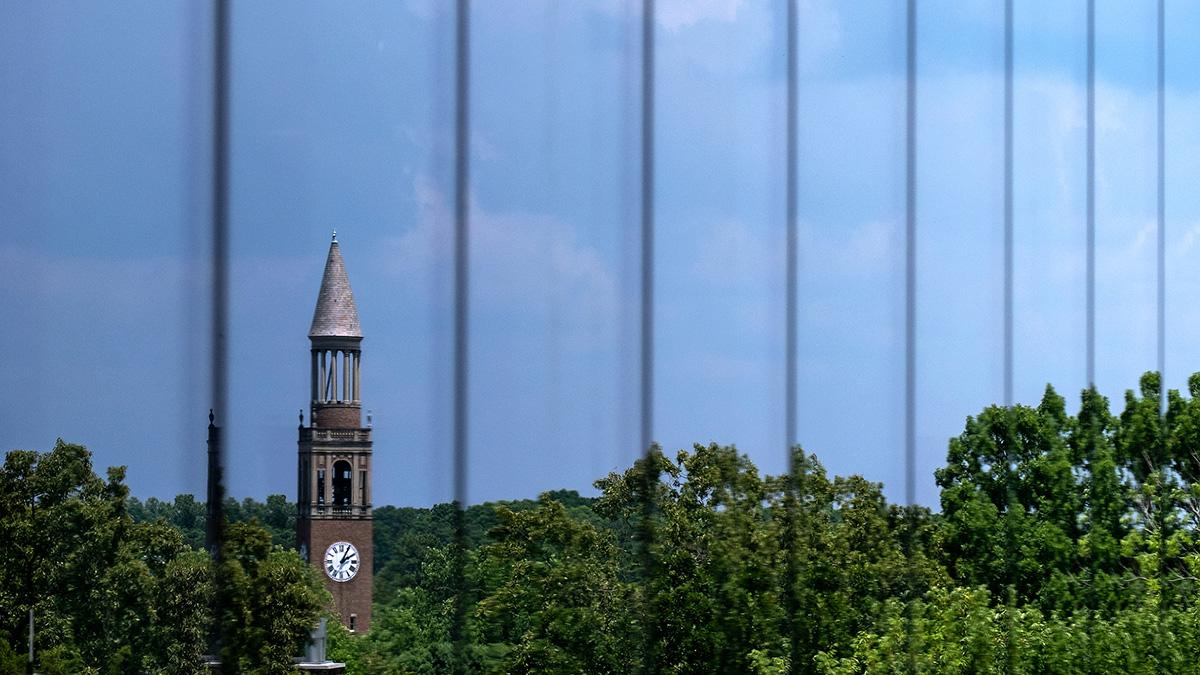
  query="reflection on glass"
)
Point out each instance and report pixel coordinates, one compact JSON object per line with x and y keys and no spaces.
{"x":960,"y":225}
{"x":852,"y":220}
{"x":1126,"y":195}
{"x":553,"y":248}
{"x":1049,"y":199}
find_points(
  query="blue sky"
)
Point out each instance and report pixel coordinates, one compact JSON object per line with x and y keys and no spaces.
{"x":342,"y":119}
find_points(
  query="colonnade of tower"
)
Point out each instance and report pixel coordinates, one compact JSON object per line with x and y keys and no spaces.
{"x":336,"y":375}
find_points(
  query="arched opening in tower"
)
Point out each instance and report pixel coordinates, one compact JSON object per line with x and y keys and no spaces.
{"x":341,"y":483}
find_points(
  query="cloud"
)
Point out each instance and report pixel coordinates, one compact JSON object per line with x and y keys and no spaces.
{"x":424,"y":9}
{"x":117,"y":288}
{"x":729,"y":251}
{"x":676,"y":14}
{"x":821,"y":33}
{"x":521,"y":263}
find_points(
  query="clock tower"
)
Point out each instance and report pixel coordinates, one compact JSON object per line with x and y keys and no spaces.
{"x":333,"y":524}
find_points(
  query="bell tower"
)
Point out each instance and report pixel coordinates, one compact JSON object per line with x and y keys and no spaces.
{"x":333,"y":524}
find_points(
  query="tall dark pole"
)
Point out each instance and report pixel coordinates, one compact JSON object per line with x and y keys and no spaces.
{"x":214,"y":495}
{"x":220,"y":300}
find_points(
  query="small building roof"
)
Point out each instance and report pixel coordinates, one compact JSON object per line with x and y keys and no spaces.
{"x":336,"y":314}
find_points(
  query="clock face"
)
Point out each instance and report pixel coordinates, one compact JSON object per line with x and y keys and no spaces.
{"x":341,"y":561}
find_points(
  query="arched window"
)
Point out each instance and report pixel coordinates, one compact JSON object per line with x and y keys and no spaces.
{"x":341,"y":483}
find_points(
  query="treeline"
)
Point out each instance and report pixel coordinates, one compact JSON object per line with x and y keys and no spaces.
{"x":277,"y":516}
{"x":1064,"y":543}
{"x":113,"y":593}
{"x":563,"y":584}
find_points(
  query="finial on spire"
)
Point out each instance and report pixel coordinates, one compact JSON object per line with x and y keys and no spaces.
{"x":302,"y":417}
{"x":335,"y":236}
{"x":211,"y":417}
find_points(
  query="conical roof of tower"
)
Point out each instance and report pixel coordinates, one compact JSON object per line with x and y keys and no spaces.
{"x":336,"y":315}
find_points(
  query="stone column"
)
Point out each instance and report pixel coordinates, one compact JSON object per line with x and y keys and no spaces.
{"x":322,"y":377}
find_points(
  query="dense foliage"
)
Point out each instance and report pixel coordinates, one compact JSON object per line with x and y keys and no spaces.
{"x":111,"y":594}
{"x":699,"y":582}
{"x":1064,"y":543}
{"x":277,"y":516}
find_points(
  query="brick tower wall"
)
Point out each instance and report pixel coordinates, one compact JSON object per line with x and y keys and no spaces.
{"x":354,"y":596}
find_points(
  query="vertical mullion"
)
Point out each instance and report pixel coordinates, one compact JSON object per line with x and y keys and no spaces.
{"x":1091,"y":193}
{"x":1008,"y":202}
{"x":910,"y":276}
{"x":790,"y":397}
{"x":1008,"y":284}
{"x":790,"y":394}
{"x":650,"y":474}
{"x":461,"y":242}
{"x":647,"y":328}
{"x":1162,"y":207}
{"x":461,"y":336}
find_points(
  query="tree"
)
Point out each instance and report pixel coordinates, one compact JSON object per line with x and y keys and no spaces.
{"x":552,"y":590}
{"x":1010,"y":505}
{"x":270,"y":600}
{"x":851,"y":553}
{"x":1105,"y":502}
{"x":184,"y":612}
{"x":86,"y":586}
{"x":117,"y":596}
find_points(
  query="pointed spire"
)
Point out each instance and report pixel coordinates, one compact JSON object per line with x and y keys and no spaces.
{"x":336,"y":314}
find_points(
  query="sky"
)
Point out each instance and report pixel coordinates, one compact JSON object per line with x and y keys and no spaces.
{"x":342,"y":119}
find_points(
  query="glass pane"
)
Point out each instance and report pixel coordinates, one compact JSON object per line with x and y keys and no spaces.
{"x":104,"y":194}
{"x":1049,"y":199}
{"x":719,"y":260}
{"x":960,"y":224}
{"x":555,"y":247}
{"x":852,"y":233}
{"x":1126,"y":195}
{"x":340,"y":122}
{"x":1182,"y":199}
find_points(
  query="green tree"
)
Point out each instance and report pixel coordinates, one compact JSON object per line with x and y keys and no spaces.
{"x":852,"y":552}
{"x":114,"y":595}
{"x":184,"y":600}
{"x":11,"y":663}
{"x":1105,"y":502}
{"x":270,"y":599}
{"x":552,"y":590}
{"x":184,"y":513}
{"x":85,"y":585}
{"x":1010,"y":504}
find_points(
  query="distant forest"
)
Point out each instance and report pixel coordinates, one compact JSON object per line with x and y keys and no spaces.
{"x":1063,"y":543}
